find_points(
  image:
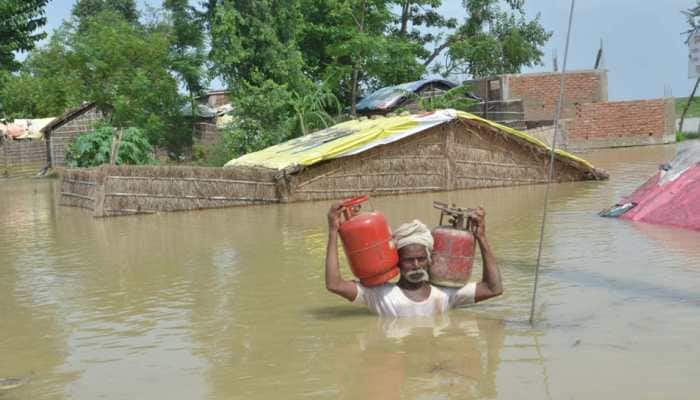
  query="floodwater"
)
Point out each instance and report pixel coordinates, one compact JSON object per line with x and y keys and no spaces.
{"x":231,"y":304}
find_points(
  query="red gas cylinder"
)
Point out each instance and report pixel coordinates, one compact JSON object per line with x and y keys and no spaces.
{"x":368,"y":244}
{"x":453,"y":250}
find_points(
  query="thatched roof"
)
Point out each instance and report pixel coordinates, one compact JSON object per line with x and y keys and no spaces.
{"x":356,"y":136}
{"x":67,"y":116}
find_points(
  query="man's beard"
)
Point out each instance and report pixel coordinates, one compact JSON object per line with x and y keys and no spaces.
{"x":416,"y":275}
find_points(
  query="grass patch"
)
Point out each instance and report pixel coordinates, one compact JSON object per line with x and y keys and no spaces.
{"x":693,"y":110}
{"x":681,"y":136}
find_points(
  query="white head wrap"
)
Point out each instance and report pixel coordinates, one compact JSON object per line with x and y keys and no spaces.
{"x":414,"y":232}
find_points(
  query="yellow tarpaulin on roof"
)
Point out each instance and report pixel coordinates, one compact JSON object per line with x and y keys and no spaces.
{"x":356,"y":136}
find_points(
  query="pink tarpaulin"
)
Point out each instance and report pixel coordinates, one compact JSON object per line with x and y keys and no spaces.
{"x":670,"y":197}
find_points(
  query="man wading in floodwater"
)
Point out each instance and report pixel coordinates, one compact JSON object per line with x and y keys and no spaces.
{"x":413,"y":295}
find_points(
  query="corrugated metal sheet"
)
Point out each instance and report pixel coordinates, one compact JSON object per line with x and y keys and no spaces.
{"x":388,"y":97}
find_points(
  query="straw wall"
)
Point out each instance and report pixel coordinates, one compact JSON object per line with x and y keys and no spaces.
{"x":21,"y":158}
{"x":122,"y":190}
{"x":59,"y":138}
{"x":485,"y":157}
{"x":415,"y":164}
{"x":79,"y":188}
{"x":457,"y":155}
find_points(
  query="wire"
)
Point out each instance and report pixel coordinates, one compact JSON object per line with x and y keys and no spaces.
{"x":551,"y":161}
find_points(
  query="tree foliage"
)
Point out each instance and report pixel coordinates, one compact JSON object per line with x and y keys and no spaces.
{"x":19,"y":20}
{"x":315,"y":110}
{"x":45,"y":85}
{"x":490,"y":41}
{"x":86,"y":9}
{"x":346,"y":44}
{"x":187,"y":45}
{"x":254,"y":41}
{"x":457,"y":98}
{"x":124,"y":68}
{"x":254,"y":49}
{"x":290,"y":65}
{"x":93,"y":148}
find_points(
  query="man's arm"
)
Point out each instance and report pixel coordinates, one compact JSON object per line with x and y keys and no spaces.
{"x":334,"y":281}
{"x":490,"y":285}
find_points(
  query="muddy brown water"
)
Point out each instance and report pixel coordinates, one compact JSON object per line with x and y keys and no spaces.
{"x":230,"y":304}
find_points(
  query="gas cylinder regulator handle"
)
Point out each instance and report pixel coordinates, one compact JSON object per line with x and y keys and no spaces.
{"x":353,"y":201}
{"x":456,"y":215}
{"x":349,"y":205}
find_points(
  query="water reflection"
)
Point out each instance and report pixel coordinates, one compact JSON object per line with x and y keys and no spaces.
{"x":431,"y":358}
{"x":230,"y":304}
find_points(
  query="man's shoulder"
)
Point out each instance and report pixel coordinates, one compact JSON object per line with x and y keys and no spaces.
{"x":441,"y":290}
{"x":378,"y":290}
{"x":451,"y":291}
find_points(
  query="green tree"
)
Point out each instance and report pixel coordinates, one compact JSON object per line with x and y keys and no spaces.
{"x":347,"y":44}
{"x":45,"y":85}
{"x":254,"y":49}
{"x":490,"y":41}
{"x":253,"y":41}
{"x":270,"y":53}
{"x":126,"y":71}
{"x":187,"y":45}
{"x":19,"y":19}
{"x":456,"y":98}
{"x":94,"y":148}
{"x":315,"y":110}
{"x":85,"y":9}
{"x":124,"y":68}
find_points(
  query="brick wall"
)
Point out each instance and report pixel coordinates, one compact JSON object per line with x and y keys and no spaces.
{"x":620,"y":123}
{"x":540,"y":92}
{"x":19,"y":158}
{"x":61,"y":137}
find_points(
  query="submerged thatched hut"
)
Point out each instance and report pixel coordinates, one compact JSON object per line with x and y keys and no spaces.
{"x":443,"y":150}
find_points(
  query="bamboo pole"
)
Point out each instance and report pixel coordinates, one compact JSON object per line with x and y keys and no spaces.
{"x":687,"y":105}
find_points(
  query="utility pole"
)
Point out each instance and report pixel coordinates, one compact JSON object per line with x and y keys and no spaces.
{"x":687,"y":105}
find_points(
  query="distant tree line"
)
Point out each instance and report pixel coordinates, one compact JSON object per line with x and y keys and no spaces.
{"x":291,"y":65}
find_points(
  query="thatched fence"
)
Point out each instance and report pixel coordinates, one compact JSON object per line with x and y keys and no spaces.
{"x":123,"y":190}
{"x":21,"y":158}
{"x":458,"y":154}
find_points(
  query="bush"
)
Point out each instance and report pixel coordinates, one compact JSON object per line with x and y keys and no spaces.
{"x":239,"y":139}
{"x":93,"y":148}
{"x":457,"y":98}
{"x":199,"y":152}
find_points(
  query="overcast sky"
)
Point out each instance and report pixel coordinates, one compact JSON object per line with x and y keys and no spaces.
{"x":644,"y":50}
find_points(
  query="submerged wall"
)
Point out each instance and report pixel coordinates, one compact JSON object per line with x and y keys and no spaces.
{"x":123,"y":190}
{"x":21,"y":158}
{"x":460,"y":154}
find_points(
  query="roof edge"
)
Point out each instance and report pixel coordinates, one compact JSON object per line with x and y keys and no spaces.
{"x":68,"y":114}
